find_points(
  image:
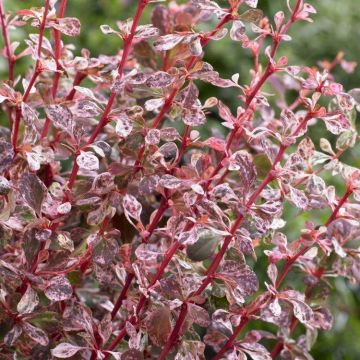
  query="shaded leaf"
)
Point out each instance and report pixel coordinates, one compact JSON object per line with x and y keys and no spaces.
{"x":159,"y":325}
{"x":33,"y":191}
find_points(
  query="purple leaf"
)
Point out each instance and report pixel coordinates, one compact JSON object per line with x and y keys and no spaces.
{"x":159,"y":325}
{"x":6,"y":155}
{"x":58,"y":289}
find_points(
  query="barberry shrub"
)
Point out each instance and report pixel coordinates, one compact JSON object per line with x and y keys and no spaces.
{"x":127,"y":232}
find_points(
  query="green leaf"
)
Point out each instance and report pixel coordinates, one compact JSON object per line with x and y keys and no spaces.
{"x":262,"y":164}
{"x":251,"y":15}
{"x":204,"y":247}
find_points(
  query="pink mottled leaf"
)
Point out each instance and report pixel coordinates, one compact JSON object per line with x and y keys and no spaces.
{"x":87,"y":161}
{"x":69,"y":26}
{"x":65,"y":350}
{"x":159,"y":79}
{"x":131,"y":207}
{"x":35,"y":334}
{"x":58,"y":289}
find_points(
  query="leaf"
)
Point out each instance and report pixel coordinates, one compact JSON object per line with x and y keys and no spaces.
{"x":262,"y":165}
{"x":170,"y":182}
{"x":64,"y":208}
{"x":169,"y":134}
{"x":272,"y":273}
{"x":215,"y":143}
{"x":31,"y":245}
{"x":69,"y":26}
{"x":13,"y":335}
{"x":29,"y":115}
{"x":35,"y":334}
{"x":336,"y":124}
{"x":5,"y":186}
{"x":242,"y":162}
{"x":28,"y":302}
{"x":65,"y":242}
{"x":193,"y":116}
{"x":58,"y":289}
{"x":61,"y":117}
{"x":146,"y":31}
{"x":106,"y":29}
{"x":103,"y":183}
{"x":255,"y":351}
{"x":6,"y":154}
{"x":188,"y":237}
{"x":251,"y":3}
{"x":302,"y":311}
{"x":159,"y":79}
{"x":123,"y":126}
{"x":237,"y":31}
{"x":86,"y":109}
{"x":132,"y":207}
{"x":274,"y":307}
{"x":65,"y":350}
{"x":298,"y":198}
{"x":199,"y":315}
{"x":189,"y":95}
{"x":252,"y":15}
{"x":33,"y":191}
{"x":154,"y":104}
{"x":132,"y":354}
{"x":152,"y":137}
{"x":105,"y":328}
{"x":168,"y":42}
{"x":88,"y":161}
{"x":204,"y":247}
{"x":159,"y":325}
{"x":244,"y":277}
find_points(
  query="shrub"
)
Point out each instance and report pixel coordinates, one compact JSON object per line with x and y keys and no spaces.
{"x":126,"y":232}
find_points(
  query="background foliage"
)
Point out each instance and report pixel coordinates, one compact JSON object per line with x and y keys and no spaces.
{"x":336,"y":28}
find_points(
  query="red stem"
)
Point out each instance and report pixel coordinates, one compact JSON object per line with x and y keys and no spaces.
{"x":57,"y":54}
{"x":338,"y":207}
{"x":279,"y":345}
{"x":122,"y":296}
{"x":168,"y":256}
{"x":104,"y":117}
{"x":157,"y":121}
{"x":36,"y":73}
{"x":9,"y":53}
{"x":227,"y":241}
{"x":269,"y":177}
{"x":175,"y":333}
{"x":170,"y":99}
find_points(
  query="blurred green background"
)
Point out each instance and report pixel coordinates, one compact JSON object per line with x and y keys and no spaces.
{"x":336,"y":28}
